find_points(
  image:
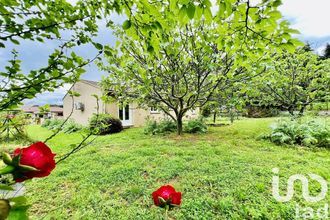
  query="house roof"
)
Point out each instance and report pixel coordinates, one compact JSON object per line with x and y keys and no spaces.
{"x":35,"y":109}
{"x":93,"y":83}
{"x":89,"y":82}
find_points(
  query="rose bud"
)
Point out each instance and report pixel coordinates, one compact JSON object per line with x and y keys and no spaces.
{"x":37,"y":160}
{"x":166,"y":196}
{"x":4,"y":208}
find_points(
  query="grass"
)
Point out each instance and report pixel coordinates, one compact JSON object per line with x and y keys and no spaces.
{"x":224,"y":174}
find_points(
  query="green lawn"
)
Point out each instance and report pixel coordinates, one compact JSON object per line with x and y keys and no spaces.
{"x":224,"y":174}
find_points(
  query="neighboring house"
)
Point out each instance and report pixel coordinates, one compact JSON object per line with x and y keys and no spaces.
{"x":85,"y":106}
{"x":56,"y":111}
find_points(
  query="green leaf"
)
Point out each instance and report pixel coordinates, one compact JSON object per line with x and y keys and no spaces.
{"x":293,"y":31}
{"x":5,"y":187}
{"x":222,"y":9}
{"x":296,"y":42}
{"x":275,"y":15}
{"x":277,"y":3}
{"x":98,"y":46}
{"x":14,"y":41}
{"x":191,"y":10}
{"x":182,"y":13}
{"x":18,"y":213}
{"x":6,"y":158}
{"x":150,"y":49}
{"x":127,"y":24}
{"x":208,"y":14}
{"x":19,"y":201}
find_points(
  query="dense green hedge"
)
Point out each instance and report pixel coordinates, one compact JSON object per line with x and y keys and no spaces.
{"x":103,"y":124}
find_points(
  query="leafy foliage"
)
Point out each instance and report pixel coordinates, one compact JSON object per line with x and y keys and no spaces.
{"x":69,"y":127}
{"x":58,"y":23}
{"x":163,"y":127}
{"x":186,"y":52}
{"x":254,"y":111}
{"x":103,"y":124}
{"x":309,"y":133}
{"x":195,"y":126}
{"x":326,"y":53}
{"x":13,"y":126}
{"x":292,"y":82}
{"x":52,"y":124}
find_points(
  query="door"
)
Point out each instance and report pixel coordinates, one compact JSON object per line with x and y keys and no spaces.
{"x":125,"y":115}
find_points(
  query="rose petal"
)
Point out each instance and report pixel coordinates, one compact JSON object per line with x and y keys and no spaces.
{"x":176,"y":198}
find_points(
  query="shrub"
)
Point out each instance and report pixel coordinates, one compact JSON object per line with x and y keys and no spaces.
{"x":103,"y":124}
{"x":46,"y":123}
{"x":261,"y":112}
{"x":71,"y":126}
{"x":13,"y":125}
{"x":310,"y":133}
{"x":55,"y":124}
{"x":195,"y":126}
{"x":319,"y":106}
{"x":162,"y":127}
{"x":150,"y":127}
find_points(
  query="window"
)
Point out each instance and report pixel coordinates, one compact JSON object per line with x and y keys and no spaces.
{"x":121,"y":113}
{"x":124,"y":113}
{"x":127,"y":112}
{"x":154,"y":109}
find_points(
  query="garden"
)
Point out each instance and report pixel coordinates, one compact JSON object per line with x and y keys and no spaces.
{"x":222,"y":174}
{"x":242,"y":127}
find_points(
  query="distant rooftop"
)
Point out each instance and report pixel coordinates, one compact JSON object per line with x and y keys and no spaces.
{"x":94,"y":83}
{"x":35,"y":109}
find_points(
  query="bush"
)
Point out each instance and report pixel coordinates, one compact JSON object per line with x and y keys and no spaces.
{"x":195,"y":126}
{"x":261,"y":112}
{"x":46,"y":123}
{"x":13,"y":125}
{"x":71,"y":126}
{"x":319,"y":106}
{"x":103,"y":124}
{"x":310,"y":133}
{"x":162,"y":127}
{"x":54,"y":124}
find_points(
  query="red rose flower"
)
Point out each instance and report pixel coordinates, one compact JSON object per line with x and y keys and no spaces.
{"x":38,"y":156}
{"x":166,"y":195}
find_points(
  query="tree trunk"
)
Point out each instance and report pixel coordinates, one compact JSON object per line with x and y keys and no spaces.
{"x":214,"y":117}
{"x":301,"y":112}
{"x":231,"y":118}
{"x":179,"y":125}
{"x":291,"y":111}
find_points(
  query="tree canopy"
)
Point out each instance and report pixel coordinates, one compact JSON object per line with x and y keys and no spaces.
{"x":293,"y":81}
{"x":176,"y":64}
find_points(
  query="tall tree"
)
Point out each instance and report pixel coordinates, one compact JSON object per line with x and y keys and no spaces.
{"x":294,"y":81}
{"x":176,"y":64}
{"x":326,"y":53}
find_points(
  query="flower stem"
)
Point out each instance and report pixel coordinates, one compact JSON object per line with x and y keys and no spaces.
{"x":6,"y":170}
{"x":166,"y":212}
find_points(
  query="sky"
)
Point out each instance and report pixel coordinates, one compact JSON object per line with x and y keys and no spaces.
{"x":311,"y":18}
